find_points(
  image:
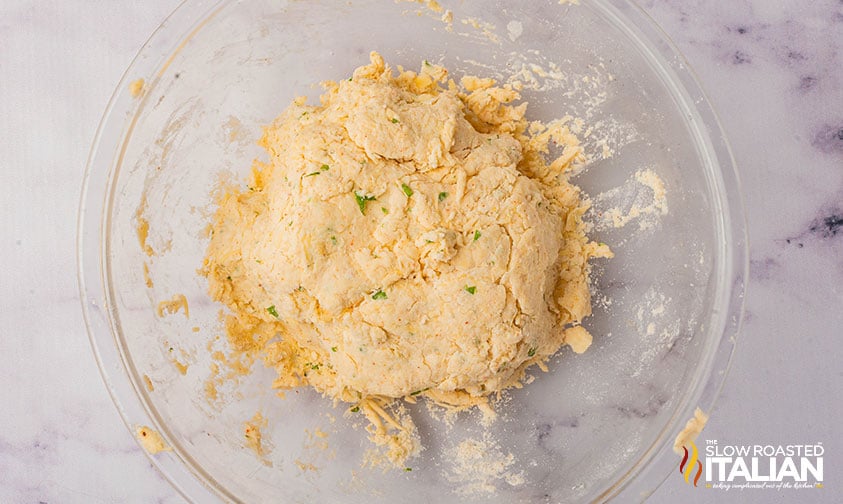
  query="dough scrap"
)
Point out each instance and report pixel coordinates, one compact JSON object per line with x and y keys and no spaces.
{"x":151,"y":440}
{"x":406,"y":237}
{"x":692,"y":429}
{"x":137,"y":87}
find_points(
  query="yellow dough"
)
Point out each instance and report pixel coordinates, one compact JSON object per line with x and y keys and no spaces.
{"x":151,"y":441}
{"x":407,"y":237}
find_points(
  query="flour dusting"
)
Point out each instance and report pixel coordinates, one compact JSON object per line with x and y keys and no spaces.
{"x":654,"y":326}
{"x":480,"y":465}
{"x":642,"y":199}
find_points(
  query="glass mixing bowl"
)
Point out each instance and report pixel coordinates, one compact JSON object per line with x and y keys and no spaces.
{"x":596,"y":426}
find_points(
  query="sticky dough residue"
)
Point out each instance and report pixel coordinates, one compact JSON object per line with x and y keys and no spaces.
{"x":174,"y":305}
{"x":316,"y":452}
{"x":142,"y":227}
{"x":401,"y":208}
{"x":255,"y":439}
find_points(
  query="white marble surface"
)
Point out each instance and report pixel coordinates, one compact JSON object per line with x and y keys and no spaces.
{"x":773,"y":69}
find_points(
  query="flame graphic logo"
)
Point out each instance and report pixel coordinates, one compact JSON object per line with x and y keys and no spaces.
{"x":686,"y":467}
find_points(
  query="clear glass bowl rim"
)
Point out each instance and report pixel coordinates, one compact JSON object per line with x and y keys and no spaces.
{"x":640,"y":481}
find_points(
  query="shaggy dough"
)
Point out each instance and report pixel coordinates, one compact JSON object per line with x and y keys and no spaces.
{"x":406,"y":237}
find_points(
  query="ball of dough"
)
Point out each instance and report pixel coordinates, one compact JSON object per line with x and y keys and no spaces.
{"x":403,"y":238}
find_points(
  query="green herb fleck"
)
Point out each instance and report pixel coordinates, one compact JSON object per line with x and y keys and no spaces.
{"x":385,"y":211}
{"x":470,"y":289}
{"x":408,"y":469}
{"x":312,"y":174}
{"x":417,"y":392}
{"x":228,"y":278}
{"x":314,"y":366}
{"x":426,"y":63}
{"x":394,"y":120}
{"x":361,"y":201}
{"x":258,"y":261}
{"x":272,"y":311}
{"x":531,"y":352}
{"x":379,"y":295}
{"x":334,"y":240}
{"x":442,"y":196}
{"x":349,"y":79}
{"x":477,"y":235}
{"x":355,"y":409}
{"x":407,"y":190}
{"x":303,"y":114}
{"x":333,"y":349}
{"x":324,"y":167}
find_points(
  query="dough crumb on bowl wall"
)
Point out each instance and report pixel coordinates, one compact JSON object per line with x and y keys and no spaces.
{"x":407,"y":238}
{"x":151,"y":440}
